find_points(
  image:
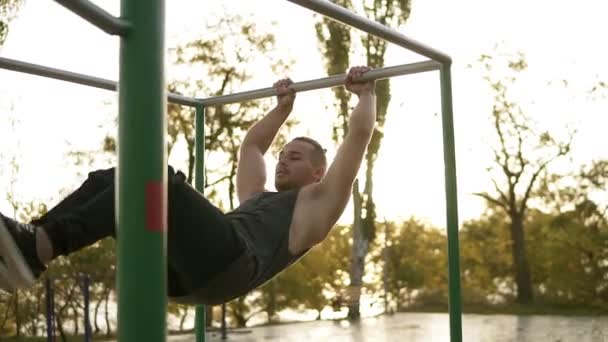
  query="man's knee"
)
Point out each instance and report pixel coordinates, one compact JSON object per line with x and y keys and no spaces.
{"x":103,"y":176}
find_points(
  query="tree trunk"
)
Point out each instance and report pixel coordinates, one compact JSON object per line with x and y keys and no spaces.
{"x":17,"y":315}
{"x":241,"y":320}
{"x":76,"y":320}
{"x":60,"y":328}
{"x":107,"y":314}
{"x":39,"y":309}
{"x":208,"y":315}
{"x":95,"y":314}
{"x":63,"y":310}
{"x":520,"y":261}
{"x":271,"y":308}
{"x":183,"y":319}
{"x":359,"y":251}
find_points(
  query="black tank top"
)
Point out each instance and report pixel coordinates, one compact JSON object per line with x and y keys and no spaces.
{"x":262,"y":222}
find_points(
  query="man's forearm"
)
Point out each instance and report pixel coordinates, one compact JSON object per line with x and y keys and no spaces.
{"x":363,"y":117}
{"x":262,"y":133}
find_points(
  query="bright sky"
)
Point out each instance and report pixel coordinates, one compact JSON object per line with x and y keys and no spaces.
{"x":561,"y":41}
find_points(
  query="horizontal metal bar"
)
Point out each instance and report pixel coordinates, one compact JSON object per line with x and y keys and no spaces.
{"x":97,"y":16}
{"x":326,"y":82}
{"x":39,"y":70}
{"x":91,"y":81}
{"x":348,"y":17}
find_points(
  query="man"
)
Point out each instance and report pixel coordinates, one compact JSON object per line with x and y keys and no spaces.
{"x":214,"y":257}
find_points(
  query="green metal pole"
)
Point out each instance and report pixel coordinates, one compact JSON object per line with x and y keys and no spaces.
{"x":449,"y":156}
{"x":142,"y":175}
{"x":199,"y":184}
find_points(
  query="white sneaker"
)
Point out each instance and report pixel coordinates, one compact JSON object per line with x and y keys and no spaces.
{"x":18,"y":252}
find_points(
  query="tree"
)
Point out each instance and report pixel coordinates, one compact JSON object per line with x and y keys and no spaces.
{"x":521,"y":155}
{"x":8,"y":11}
{"x":392,"y":13}
{"x":335,"y":43}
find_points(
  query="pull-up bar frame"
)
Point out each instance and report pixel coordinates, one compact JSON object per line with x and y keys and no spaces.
{"x":141,"y":201}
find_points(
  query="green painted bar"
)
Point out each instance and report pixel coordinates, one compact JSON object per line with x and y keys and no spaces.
{"x":200,"y":323}
{"x":449,"y":156}
{"x":199,"y":184}
{"x":96,"y":16}
{"x":142,"y":176}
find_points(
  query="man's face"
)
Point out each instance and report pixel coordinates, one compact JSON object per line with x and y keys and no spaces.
{"x":295,"y":168}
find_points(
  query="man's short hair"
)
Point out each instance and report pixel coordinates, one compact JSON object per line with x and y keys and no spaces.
{"x":318,"y":152}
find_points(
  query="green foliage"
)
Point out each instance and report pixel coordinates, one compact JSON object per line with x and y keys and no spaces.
{"x":415,"y":262}
{"x":485,"y":259}
{"x":570,"y":265}
{"x":566,"y":245}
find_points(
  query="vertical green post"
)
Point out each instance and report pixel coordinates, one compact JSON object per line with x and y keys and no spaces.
{"x":142,"y":175}
{"x":449,"y":156}
{"x":199,"y":184}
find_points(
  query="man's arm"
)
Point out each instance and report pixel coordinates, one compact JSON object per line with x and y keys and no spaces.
{"x":251,"y":171}
{"x":333,"y":192}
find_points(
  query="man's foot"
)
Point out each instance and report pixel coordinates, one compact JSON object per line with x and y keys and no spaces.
{"x":18,"y":252}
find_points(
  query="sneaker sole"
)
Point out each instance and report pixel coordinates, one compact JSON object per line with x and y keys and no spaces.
{"x":7,"y":283}
{"x":13,"y":258}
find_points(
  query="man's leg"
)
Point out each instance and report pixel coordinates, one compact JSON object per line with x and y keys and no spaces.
{"x":201,"y":243}
{"x":59,"y":232}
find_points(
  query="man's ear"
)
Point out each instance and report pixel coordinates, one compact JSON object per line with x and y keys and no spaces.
{"x":318,"y":173}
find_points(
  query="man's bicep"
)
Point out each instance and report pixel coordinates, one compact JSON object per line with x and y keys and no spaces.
{"x":251,"y":173}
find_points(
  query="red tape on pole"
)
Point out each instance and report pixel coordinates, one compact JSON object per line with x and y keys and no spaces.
{"x":156,"y":214}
